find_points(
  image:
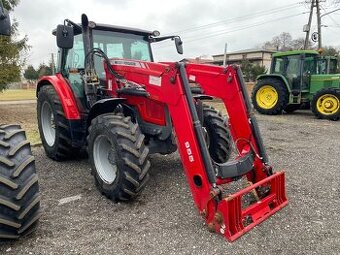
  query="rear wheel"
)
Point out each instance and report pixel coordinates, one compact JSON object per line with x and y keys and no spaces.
{"x":19,"y":189}
{"x":218,"y":137}
{"x":326,"y":104}
{"x":53,"y":126}
{"x":270,"y":96}
{"x":118,"y":156}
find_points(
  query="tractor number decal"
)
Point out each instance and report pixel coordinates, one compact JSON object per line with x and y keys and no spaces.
{"x":127,"y":63}
{"x":155,"y":80}
{"x":189,"y":152}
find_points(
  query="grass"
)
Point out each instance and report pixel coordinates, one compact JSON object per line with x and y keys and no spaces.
{"x":33,"y":136}
{"x":17,"y":94}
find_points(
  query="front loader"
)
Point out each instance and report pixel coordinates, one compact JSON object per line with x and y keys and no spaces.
{"x":19,"y":189}
{"x":111,"y":98}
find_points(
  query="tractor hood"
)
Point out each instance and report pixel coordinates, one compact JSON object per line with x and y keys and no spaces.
{"x":320,"y":81}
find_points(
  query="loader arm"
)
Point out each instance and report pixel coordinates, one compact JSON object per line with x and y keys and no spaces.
{"x":168,"y":83}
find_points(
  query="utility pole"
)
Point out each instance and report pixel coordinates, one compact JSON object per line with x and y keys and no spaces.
{"x":308,"y":26}
{"x":52,"y":64}
{"x":319,"y":23}
{"x":225,"y":54}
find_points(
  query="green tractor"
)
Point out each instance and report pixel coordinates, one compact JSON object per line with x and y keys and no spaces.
{"x":299,"y":77}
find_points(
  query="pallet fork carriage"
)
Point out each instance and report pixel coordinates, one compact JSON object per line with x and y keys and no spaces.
{"x":155,"y":100}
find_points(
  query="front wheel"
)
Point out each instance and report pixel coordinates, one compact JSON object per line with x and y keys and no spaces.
{"x":270,"y":96}
{"x":53,"y":126}
{"x":218,"y":138}
{"x":326,"y":104}
{"x":118,"y":156}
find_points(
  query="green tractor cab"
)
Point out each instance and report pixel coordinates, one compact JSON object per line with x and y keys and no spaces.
{"x":299,"y":77}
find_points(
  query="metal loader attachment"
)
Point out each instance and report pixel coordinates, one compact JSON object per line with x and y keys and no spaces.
{"x":232,"y":220}
{"x":231,"y":217}
{"x":223,"y":212}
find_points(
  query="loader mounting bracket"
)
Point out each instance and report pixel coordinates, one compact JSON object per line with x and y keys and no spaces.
{"x":236,"y":168}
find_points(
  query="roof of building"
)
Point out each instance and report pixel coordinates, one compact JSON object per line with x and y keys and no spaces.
{"x":197,"y":60}
{"x":246,"y":51}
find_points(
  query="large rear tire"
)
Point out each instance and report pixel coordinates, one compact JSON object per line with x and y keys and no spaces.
{"x":270,"y":96}
{"x":218,"y":138}
{"x":53,"y":126}
{"x":326,"y":104}
{"x":118,"y":156}
{"x":19,"y":189}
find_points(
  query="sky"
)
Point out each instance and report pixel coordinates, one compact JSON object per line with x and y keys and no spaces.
{"x":204,"y":26}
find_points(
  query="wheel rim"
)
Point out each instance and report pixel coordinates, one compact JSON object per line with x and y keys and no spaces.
{"x":328,"y":104}
{"x":48,"y":123}
{"x":267,"y":97}
{"x":104,"y":156}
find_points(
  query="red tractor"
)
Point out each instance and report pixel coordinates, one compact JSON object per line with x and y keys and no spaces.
{"x":111,"y":98}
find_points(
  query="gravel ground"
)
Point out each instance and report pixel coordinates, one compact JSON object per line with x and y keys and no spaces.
{"x":163,"y":220}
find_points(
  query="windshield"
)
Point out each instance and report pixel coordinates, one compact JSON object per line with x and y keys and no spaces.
{"x":122,"y":45}
{"x":114,"y":44}
{"x":333,"y":66}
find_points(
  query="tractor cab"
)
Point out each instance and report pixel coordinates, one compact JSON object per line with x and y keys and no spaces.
{"x":115,"y":41}
{"x":297,"y":67}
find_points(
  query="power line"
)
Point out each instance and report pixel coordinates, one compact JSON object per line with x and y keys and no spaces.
{"x":221,"y":32}
{"x":244,"y":17}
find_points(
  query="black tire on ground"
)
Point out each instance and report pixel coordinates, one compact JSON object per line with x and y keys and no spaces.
{"x":281,"y":90}
{"x":291,"y":108}
{"x":328,"y":100}
{"x":57,"y":145}
{"x":118,"y":156}
{"x":219,"y":139}
{"x":19,"y":189}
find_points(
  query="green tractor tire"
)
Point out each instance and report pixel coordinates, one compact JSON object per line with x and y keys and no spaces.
{"x":326,"y":104}
{"x":270,"y":96}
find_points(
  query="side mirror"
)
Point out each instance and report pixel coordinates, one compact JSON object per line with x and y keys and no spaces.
{"x":179,"y":45}
{"x":65,"y":36}
{"x":5,"y":22}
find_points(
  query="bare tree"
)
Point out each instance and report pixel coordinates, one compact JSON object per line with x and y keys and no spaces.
{"x":284,"y":41}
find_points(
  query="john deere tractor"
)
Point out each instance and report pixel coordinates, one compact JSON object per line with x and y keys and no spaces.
{"x":300,"y":77}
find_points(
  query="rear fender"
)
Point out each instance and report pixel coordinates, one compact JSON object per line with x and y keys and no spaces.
{"x":275,"y":76}
{"x":64,"y":92}
{"x":105,"y":106}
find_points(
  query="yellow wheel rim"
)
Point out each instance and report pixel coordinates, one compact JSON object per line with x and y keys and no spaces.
{"x":267,"y":97}
{"x":328,"y":104}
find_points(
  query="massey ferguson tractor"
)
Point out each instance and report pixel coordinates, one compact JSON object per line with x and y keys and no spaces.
{"x":19,"y":190}
{"x":111,"y":98}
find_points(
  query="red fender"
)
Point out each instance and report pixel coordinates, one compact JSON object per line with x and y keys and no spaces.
{"x":64,"y":92}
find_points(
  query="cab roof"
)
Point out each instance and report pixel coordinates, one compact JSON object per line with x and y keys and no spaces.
{"x":295,"y":52}
{"x":121,"y":29}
